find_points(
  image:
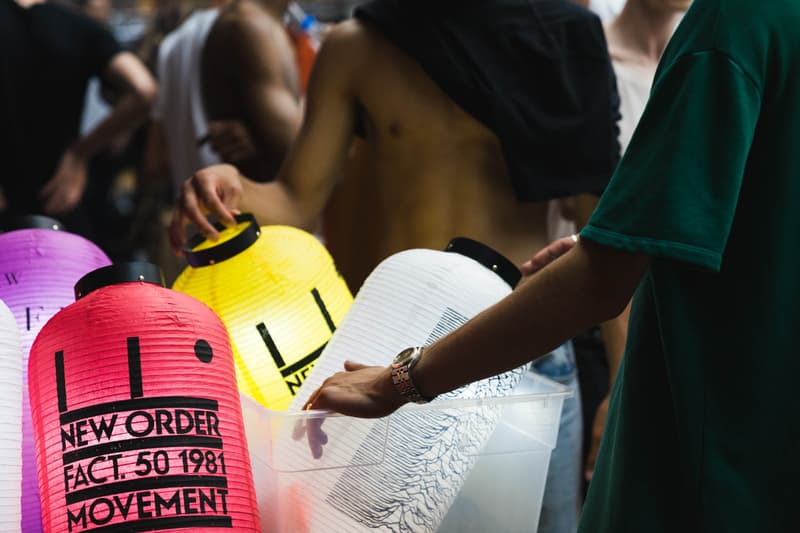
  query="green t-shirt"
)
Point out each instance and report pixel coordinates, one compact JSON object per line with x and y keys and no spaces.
{"x":703,"y":433}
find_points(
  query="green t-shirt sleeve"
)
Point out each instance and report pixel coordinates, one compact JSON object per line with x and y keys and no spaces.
{"x":675,"y":192}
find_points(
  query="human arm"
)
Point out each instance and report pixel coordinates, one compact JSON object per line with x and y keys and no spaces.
{"x":588,"y":285}
{"x":309,"y":172}
{"x":231,"y":139}
{"x":614,"y":332}
{"x":130,"y":77}
{"x":257,"y":51}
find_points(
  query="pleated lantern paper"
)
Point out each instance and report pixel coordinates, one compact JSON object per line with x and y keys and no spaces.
{"x":411,"y":299}
{"x":39,"y":265}
{"x":278,"y":292}
{"x":10,"y":421}
{"x":137,"y":417}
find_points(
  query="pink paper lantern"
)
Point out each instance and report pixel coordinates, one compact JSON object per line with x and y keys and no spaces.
{"x":39,"y":265}
{"x":137,"y":417}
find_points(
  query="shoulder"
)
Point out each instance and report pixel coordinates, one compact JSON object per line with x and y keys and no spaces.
{"x":348,"y":44}
{"x":758,"y":37}
{"x":350,"y":34}
{"x":245,"y":22}
{"x":247,"y":38}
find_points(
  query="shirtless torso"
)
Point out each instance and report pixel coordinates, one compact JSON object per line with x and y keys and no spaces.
{"x":434,"y":172}
{"x":249,"y":74}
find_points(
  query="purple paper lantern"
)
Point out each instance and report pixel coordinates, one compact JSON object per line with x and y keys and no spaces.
{"x":38,"y":271}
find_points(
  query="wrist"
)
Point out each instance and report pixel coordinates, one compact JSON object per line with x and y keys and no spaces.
{"x":421,"y":375}
{"x":402,"y":370}
{"x":388,"y":391}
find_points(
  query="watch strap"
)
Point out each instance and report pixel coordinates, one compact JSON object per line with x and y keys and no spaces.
{"x":401,"y":377}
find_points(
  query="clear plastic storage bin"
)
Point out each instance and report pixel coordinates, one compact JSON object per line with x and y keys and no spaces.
{"x":448,"y":466}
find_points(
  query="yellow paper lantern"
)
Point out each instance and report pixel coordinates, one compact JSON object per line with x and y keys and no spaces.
{"x":280,"y":296}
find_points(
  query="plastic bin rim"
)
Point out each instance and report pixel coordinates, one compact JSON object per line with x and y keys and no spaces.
{"x":559,"y":392}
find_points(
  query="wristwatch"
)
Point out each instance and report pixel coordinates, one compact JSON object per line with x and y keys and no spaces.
{"x":401,"y":374}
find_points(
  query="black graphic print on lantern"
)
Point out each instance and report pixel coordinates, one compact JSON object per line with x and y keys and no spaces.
{"x":295,"y":374}
{"x":154,"y":462}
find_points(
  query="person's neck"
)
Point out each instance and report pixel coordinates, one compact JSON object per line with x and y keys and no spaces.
{"x":645,"y":31}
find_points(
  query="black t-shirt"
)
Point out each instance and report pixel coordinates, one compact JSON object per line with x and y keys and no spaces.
{"x":535,"y":72}
{"x":48,"y":53}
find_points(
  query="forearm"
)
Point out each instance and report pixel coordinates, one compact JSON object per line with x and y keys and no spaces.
{"x":575,"y":292}
{"x":277,"y":127}
{"x":614,"y":331}
{"x":277,"y":203}
{"x":130,"y":111}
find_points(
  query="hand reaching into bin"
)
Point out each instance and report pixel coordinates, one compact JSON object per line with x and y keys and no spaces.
{"x":362,"y":391}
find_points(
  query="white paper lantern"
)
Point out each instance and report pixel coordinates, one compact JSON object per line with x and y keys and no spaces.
{"x":411,"y":299}
{"x":10,"y":421}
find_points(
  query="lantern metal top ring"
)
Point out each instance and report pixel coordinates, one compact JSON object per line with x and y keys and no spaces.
{"x":119,"y":273}
{"x":216,"y":252}
{"x":488,"y":257}
{"x":31,"y":222}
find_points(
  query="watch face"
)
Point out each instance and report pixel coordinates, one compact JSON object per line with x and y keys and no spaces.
{"x":403,"y":357}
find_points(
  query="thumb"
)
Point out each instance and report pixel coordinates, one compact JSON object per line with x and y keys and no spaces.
{"x":550,"y":253}
{"x":527,"y":268}
{"x":350,"y":366}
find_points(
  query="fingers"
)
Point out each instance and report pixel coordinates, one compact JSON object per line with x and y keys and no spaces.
{"x":549,"y":254}
{"x":190,"y":210}
{"x":312,"y":427}
{"x":317,"y":438}
{"x":351,"y":366}
{"x":299,"y":429}
{"x":230,"y":140}
{"x":177,"y":233}
{"x":592,"y":458}
{"x":309,"y":405}
{"x":226,"y":146}
{"x":206,"y":192}
{"x":57,"y":200}
{"x":210,"y":190}
{"x":49,"y":189}
{"x":597,"y":436}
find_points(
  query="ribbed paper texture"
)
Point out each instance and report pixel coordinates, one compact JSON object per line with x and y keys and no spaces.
{"x":412,"y":298}
{"x":137,"y":417}
{"x":280,"y":299}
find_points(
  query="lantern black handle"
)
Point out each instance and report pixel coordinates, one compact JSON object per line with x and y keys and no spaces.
{"x":119,"y":273}
{"x":31,"y":222}
{"x":488,"y":257}
{"x":224,"y":250}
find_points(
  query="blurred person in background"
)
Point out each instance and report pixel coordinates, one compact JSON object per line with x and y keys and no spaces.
{"x":178,"y":121}
{"x":472,"y":112}
{"x":111,"y":190}
{"x":637,"y":39}
{"x":48,"y":53}
{"x":251,"y":87}
{"x":181,"y":137}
